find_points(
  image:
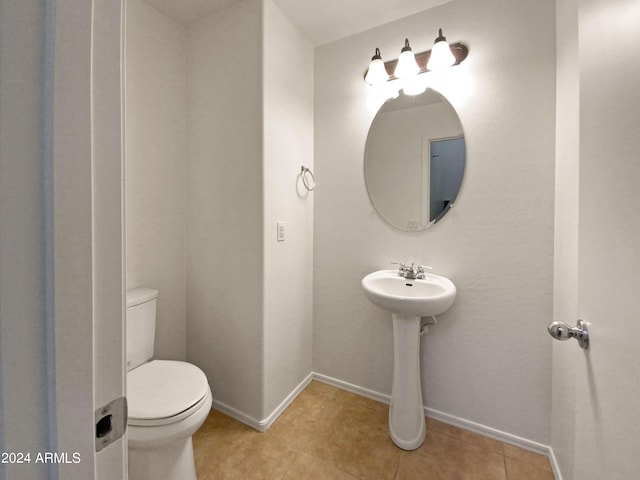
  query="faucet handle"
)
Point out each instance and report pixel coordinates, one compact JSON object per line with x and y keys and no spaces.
{"x":420,"y":272}
{"x":402,"y":268}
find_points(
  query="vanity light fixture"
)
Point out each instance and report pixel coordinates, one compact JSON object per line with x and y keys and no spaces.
{"x":409,"y":68}
{"x":441,"y":56}
{"x":376,"y":74}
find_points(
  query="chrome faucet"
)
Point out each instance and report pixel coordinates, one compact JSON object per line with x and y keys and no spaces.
{"x":411,"y":272}
{"x":402,"y":269}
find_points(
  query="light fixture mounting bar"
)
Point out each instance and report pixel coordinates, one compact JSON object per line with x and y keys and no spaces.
{"x":459,"y":51}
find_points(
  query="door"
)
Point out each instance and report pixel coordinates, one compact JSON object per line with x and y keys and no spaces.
{"x":606,"y":377}
{"x":108,"y":237}
{"x":445,"y":176}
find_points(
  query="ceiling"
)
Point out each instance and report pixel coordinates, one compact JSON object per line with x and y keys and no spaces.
{"x":321,"y":21}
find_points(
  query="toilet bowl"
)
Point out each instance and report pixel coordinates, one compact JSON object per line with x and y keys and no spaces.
{"x":168,"y":400}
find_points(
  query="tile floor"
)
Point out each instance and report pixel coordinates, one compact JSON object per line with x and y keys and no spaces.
{"x":330,"y":434}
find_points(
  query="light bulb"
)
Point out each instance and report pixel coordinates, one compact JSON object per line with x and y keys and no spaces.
{"x":441,"y":56}
{"x":377,"y":73}
{"x":415,"y":85}
{"x":407,"y":65}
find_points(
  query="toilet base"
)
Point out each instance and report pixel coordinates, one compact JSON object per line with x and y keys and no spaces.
{"x":173,"y":461}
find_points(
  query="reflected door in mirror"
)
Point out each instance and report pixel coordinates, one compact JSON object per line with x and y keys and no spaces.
{"x":446,"y":167}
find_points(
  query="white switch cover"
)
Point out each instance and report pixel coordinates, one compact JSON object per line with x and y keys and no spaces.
{"x":280,"y":230}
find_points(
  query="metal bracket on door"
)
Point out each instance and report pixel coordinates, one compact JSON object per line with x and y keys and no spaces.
{"x":111,"y":422}
{"x":562,"y":331}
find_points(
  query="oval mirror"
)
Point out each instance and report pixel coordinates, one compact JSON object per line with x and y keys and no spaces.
{"x":414,"y":160}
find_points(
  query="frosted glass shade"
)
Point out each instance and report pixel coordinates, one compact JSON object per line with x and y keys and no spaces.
{"x":441,"y":56}
{"x":407,"y":65}
{"x":376,"y":74}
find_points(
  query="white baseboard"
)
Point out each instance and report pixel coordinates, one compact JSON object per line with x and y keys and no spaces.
{"x":350,"y":387}
{"x":267,"y":422}
{"x":263,"y":425}
{"x":488,"y":431}
{"x":236,"y":414}
{"x":554,"y":465}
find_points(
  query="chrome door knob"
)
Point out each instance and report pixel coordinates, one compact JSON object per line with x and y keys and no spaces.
{"x":562,"y":331}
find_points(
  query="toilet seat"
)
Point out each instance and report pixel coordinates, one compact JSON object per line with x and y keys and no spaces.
{"x":161,"y":392}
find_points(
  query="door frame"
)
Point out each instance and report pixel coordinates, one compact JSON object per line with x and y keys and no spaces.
{"x":87,"y":230}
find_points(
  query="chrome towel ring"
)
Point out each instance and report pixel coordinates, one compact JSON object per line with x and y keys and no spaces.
{"x":308,"y":179}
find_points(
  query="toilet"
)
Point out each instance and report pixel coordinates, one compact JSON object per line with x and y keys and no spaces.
{"x":167,"y":400}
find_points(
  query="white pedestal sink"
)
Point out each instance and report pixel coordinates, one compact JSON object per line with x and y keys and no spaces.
{"x":408,"y":300}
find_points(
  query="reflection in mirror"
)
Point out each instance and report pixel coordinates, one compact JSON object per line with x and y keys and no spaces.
{"x":414,"y":160}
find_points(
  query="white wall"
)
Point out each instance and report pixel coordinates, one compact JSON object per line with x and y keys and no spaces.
{"x":288,"y":265}
{"x":217,"y":128}
{"x":155,"y":162}
{"x":225,"y":210}
{"x":250,"y":129}
{"x":488,"y":359}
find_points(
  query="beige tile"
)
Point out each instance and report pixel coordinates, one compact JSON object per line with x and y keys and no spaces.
{"x":465,"y":435}
{"x":357,"y":441}
{"x":412,"y":467}
{"x":525,"y":456}
{"x":314,"y":403}
{"x":517,"y":470}
{"x":310,"y":412}
{"x":445,"y":456}
{"x":296,"y":433}
{"x":347,"y":398}
{"x":310,"y":468}
{"x":473,"y":465}
{"x":330,"y":434}
{"x":321,"y":389}
{"x":217,"y":439}
{"x":222,"y":426}
{"x":255,"y":457}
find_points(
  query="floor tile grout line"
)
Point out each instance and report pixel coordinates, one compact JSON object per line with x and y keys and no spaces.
{"x":504,"y":465}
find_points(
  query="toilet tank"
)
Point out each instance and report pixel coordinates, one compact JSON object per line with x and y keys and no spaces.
{"x":141,"y":325}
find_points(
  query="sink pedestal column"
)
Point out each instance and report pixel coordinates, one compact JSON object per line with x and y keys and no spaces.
{"x":406,"y":413}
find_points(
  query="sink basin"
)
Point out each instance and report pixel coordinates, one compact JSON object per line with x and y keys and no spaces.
{"x":408,"y":301}
{"x":422,"y":298}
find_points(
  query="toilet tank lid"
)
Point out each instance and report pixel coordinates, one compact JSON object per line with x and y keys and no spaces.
{"x":136,"y":296}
